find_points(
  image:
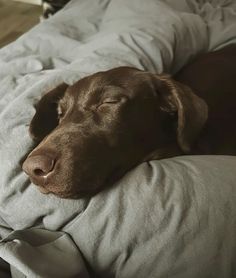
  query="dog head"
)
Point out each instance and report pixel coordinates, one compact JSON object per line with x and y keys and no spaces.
{"x":94,"y":131}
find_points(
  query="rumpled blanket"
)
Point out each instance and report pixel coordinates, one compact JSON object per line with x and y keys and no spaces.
{"x":169,"y":218}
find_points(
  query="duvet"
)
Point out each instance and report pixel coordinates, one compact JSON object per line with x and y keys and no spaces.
{"x":169,"y":218}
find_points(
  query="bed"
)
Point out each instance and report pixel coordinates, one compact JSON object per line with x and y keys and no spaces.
{"x":174,"y":217}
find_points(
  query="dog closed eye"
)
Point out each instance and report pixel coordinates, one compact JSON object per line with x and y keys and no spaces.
{"x":113,"y":100}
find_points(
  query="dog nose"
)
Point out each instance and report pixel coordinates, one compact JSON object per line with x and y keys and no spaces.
{"x":38,"y":166}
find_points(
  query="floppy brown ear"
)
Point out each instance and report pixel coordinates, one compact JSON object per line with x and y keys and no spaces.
{"x":192,"y":111}
{"x":46,"y":118}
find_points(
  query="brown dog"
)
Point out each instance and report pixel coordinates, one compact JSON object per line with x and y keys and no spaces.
{"x":93,"y":132}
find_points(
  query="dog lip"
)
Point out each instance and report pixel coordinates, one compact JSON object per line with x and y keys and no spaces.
{"x":43,"y":190}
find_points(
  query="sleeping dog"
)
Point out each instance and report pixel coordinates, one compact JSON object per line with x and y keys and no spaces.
{"x":91,"y":133}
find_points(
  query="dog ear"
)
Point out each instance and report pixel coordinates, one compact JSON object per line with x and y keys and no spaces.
{"x":191,"y":110}
{"x":46,"y":118}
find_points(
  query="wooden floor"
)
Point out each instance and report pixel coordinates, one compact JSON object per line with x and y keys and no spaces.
{"x":15,"y":19}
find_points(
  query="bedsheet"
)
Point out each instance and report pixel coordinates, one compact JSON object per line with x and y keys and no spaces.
{"x":168,"y":218}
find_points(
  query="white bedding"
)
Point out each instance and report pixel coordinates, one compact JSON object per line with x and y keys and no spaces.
{"x":168,"y":218}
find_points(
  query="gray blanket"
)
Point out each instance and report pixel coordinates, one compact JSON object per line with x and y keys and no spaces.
{"x":168,"y":218}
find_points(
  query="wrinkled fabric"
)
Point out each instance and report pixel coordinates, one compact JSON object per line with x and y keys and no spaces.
{"x":42,"y":253}
{"x":168,"y":218}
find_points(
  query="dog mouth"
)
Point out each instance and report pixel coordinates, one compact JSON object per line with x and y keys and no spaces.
{"x":78,"y":187}
{"x":67,"y":192}
{"x":43,"y":190}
